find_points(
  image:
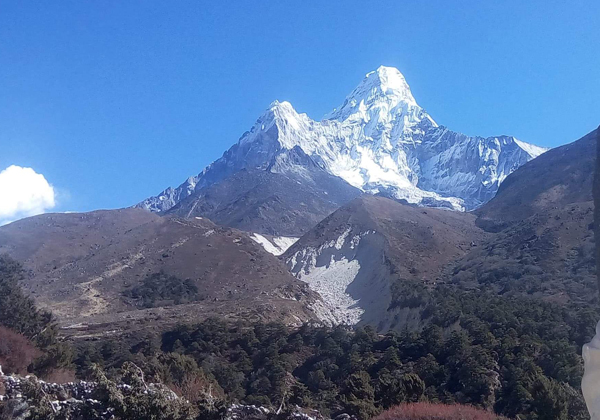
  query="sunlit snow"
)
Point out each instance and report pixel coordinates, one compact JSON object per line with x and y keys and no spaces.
{"x":331,"y":278}
{"x":277,"y":246}
{"x":381,"y":141}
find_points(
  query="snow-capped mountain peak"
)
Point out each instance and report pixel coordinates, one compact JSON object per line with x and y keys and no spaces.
{"x":282,"y":125}
{"x":381,"y":141}
{"x":384,"y":92}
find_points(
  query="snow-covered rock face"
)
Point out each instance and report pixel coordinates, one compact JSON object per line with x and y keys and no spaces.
{"x":331,"y":270}
{"x":381,"y":141}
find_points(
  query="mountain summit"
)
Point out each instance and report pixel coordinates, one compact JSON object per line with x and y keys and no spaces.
{"x":379,"y":141}
{"x":384,"y":86}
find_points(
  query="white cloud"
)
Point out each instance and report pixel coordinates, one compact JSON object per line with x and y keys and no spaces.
{"x":23,"y":193}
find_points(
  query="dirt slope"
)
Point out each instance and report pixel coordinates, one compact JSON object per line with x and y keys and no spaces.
{"x":80,"y":266}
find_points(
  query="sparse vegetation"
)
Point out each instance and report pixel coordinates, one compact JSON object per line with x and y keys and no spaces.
{"x":514,"y":356}
{"x":161,"y":289}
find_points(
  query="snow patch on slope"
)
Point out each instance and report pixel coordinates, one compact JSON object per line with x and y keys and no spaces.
{"x":532,"y":149}
{"x":277,"y":245}
{"x":331,"y":278}
{"x":331,"y":282}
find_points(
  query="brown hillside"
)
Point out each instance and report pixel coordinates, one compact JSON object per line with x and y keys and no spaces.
{"x":83,"y":267}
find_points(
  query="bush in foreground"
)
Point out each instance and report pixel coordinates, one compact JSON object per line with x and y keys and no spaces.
{"x":428,"y":411}
{"x":16,"y":352}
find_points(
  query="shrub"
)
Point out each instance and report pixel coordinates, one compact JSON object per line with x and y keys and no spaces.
{"x":161,"y":289}
{"x":16,"y":352}
{"x":34,"y":328}
{"x":428,"y":411}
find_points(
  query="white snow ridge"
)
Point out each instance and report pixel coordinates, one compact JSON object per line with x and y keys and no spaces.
{"x":379,"y":140}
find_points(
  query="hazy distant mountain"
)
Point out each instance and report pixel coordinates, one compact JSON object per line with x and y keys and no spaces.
{"x":379,"y":141}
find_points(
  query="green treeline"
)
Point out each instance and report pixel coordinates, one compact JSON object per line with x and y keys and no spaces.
{"x":514,"y":356}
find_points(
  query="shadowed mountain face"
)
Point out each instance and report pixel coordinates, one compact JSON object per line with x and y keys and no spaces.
{"x":543,"y":216}
{"x":130,"y":268}
{"x":559,"y":177}
{"x":289,"y":198}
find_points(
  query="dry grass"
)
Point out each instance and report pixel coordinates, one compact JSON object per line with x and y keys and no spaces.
{"x":428,"y":411}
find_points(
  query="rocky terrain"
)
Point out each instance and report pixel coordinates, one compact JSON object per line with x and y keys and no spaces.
{"x":358,"y":255}
{"x":127,"y":269}
{"x":19,"y":400}
{"x":543,"y":220}
{"x":560,"y":177}
{"x":483,"y":308}
{"x":281,"y":204}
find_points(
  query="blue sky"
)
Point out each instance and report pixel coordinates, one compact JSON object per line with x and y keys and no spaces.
{"x":114,"y":101}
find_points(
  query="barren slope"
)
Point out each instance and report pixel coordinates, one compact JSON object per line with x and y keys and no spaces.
{"x":280,"y":204}
{"x":82,"y":265}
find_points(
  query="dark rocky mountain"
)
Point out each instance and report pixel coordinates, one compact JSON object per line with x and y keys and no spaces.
{"x":288,"y":198}
{"x":124,"y":269}
{"x":543,"y":216}
{"x":559,"y":177}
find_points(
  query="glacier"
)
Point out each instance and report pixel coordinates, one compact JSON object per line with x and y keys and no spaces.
{"x":380,"y":141}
